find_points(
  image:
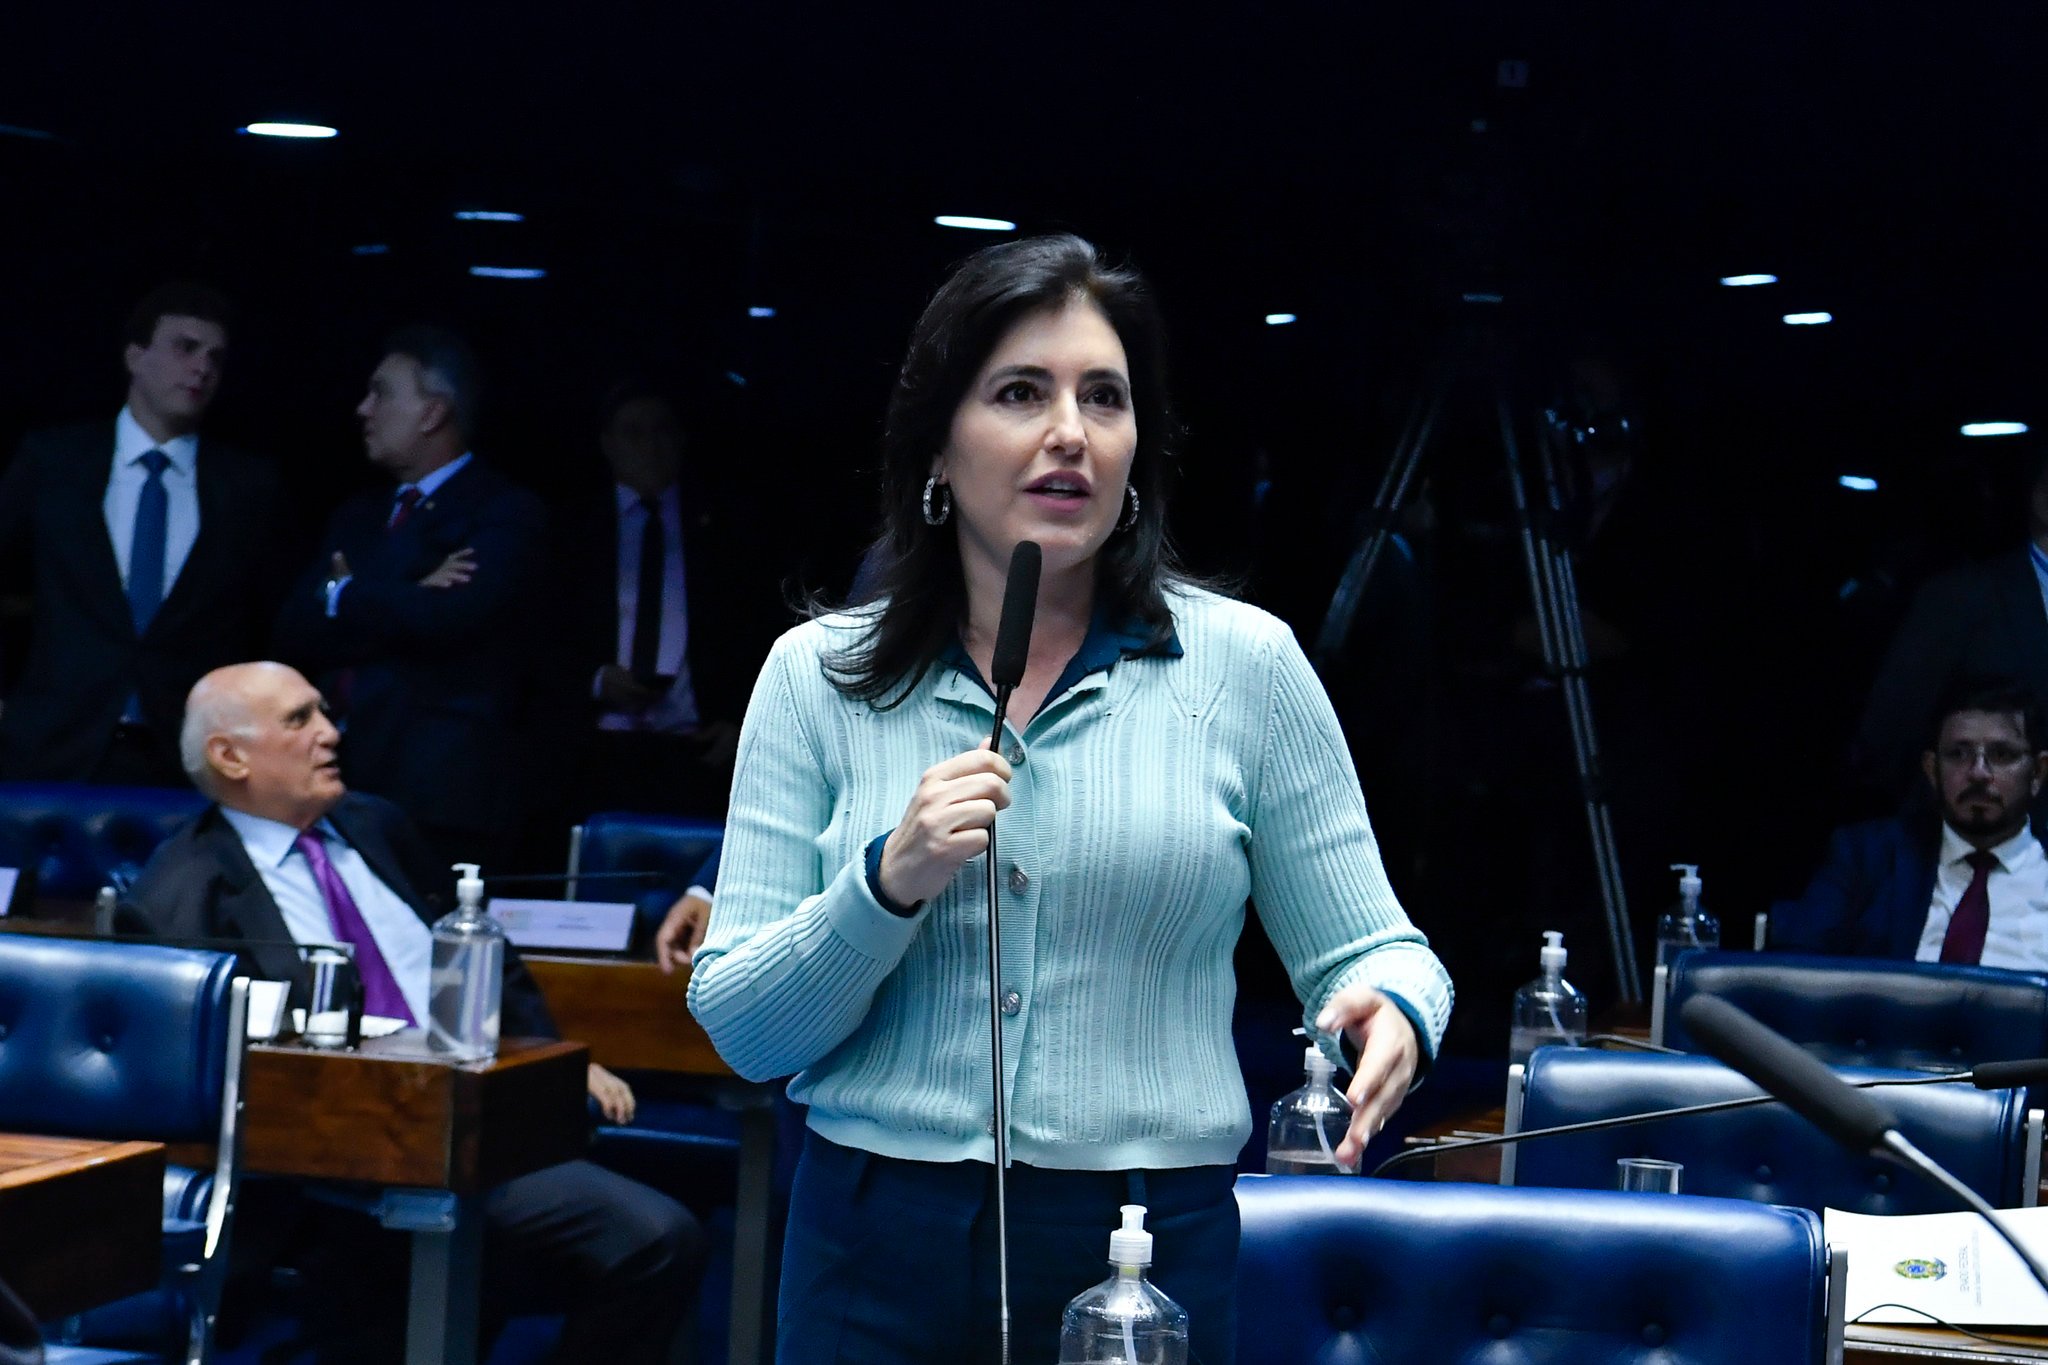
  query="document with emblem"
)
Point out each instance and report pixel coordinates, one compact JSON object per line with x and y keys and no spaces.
{"x":1947,"y":1266}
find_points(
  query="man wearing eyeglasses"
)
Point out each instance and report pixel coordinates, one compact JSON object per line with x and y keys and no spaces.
{"x":1965,"y":883}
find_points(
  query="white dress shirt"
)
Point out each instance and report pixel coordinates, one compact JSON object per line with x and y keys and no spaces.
{"x":677,"y":711}
{"x":407,"y":943}
{"x":2017,"y":937}
{"x":124,"y":491}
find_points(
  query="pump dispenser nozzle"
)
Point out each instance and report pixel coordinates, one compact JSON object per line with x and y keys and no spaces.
{"x":1131,"y":1245}
{"x":1688,"y":884}
{"x":469,"y":886}
{"x":1552,"y":954}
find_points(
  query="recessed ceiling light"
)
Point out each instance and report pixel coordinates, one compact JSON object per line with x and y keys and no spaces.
{"x":1808,"y":319}
{"x":290,"y":130}
{"x":1860,"y":482}
{"x":508,"y":272}
{"x":1746,"y":281}
{"x":1279,"y":319}
{"x":760,"y":311}
{"x":959,"y":220}
{"x":370,"y":249}
{"x":489,"y":216}
{"x":1994,"y":428}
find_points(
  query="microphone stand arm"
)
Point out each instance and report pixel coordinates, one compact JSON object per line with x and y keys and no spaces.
{"x":999,"y":1123}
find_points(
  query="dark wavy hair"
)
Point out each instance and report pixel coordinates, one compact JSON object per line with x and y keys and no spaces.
{"x":913,"y":573}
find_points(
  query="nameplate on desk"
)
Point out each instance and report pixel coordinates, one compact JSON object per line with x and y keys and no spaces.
{"x":10,"y":878}
{"x":592,"y":926}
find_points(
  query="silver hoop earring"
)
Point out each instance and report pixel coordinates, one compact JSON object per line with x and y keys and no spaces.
{"x":945,"y":508}
{"x":1130,"y":517}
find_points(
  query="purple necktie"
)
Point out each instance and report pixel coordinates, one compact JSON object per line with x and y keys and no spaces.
{"x":380,"y":991}
{"x":1964,"y":941}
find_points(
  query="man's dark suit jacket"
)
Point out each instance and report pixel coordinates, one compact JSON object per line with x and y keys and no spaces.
{"x":437,"y":680}
{"x":1985,"y":618}
{"x":85,"y":659}
{"x":734,"y":611}
{"x":200,"y":883}
{"x":1870,"y":896}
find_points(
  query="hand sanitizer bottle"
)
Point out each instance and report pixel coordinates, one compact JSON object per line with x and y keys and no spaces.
{"x":1687,"y":924}
{"x":468,"y":977}
{"x":1125,"y":1320}
{"x":1307,"y":1125}
{"x":1549,"y":1009}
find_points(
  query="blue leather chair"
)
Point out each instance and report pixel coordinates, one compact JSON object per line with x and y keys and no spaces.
{"x":672,"y":846}
{"x":1859,"y":1011}
{"x":1988,"y":1138}
{"x":1346,"y":1269}
{"x":108,"y":1039}
{"x":74,"y":839}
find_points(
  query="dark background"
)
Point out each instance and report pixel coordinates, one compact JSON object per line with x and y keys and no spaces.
{"x":1363,"y":166}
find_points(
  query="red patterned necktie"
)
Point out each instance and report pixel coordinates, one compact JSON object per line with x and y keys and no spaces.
{"x":1964,"y":941}
{"x":408,"y":498}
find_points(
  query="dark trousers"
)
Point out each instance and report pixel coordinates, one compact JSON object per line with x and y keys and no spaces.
{"x":620,"y":1261}
{"x":891,"y":1261}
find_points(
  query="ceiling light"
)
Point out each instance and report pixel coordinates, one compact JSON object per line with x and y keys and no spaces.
{"x":507,"y":272}
{"x":1279,"y":319}
{"x":736,"y":377}
{"x":1994,"y":428}
{"x":1745,"y":281}
{"x":370,"y":249}
{"x":34,"y":134}
{"x":489,"y":216}
{"x":758,"y":311}
{"x":1861,"y":483}
{"x":1808,"y":319}
{"x":956,"y":220}
{"x":290,"y":130}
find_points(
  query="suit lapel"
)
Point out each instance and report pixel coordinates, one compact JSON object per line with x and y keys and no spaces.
{"x":244,"y":908}
{"x":81,"y":526}
{"x":366,"y":838}
{"x":195,"y":584}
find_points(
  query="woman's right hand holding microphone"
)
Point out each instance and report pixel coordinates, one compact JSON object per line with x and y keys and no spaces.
{"x":946,"y":823}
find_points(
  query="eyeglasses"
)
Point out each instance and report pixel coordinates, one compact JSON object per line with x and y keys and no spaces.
{"x":1997,"y":757}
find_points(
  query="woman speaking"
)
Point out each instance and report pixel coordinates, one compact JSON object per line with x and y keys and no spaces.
{"x":1168,"y":756}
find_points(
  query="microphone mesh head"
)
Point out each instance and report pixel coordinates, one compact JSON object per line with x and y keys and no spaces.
{"x":1020,"y":604}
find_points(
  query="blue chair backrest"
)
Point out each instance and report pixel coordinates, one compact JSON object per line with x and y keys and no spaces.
{"x":1766,"y":1153}
{"x":675,"y":846}
{"x":1346,"y":1269}
{"x":106,"y":1039}
{"x":1858,"y":1011}
{"x":77,"y":838}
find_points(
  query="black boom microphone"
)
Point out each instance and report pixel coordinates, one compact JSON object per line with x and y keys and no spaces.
{"x":1006,"y":670}
{"x":1811,"y":1090}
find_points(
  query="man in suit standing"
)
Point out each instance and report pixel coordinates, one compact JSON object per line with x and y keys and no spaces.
{"x":151,"y":553}
{"x":1968,"y":887}
{"x":415,"y":613}
{"x":1982,"y":619}
{"x":670,"y":624}
{"x":287,"y":854}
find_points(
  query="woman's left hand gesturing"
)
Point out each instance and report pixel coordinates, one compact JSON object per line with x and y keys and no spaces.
{"x":1388,"y":1052}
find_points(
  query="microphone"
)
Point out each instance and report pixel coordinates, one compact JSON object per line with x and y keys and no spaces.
{"x":1006,"y":670}
{"x":1824,"y":1099}
{"x":1978,"y":1077}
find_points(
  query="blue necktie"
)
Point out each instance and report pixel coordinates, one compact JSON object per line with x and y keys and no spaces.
{"x":146,"y":547}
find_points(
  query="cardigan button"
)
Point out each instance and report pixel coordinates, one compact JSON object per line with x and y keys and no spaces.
{"x":1016,"y":754}
{"x":1019,"y":879}
{"x":1012,"y":1002}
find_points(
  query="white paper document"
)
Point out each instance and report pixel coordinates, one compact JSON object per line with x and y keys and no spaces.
{"x":10,"y":877}
{"x":593,"y":926}
{"x":1949,"y":1266}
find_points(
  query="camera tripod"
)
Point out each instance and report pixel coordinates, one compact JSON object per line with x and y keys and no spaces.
{"x":1554,"y":597}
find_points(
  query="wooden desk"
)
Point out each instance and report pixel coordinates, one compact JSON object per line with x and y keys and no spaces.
{"x":433,"y":1136}
{"x":1877,"y":1345}
{"x":81,"y":1221}
{"x":635,"y":1018}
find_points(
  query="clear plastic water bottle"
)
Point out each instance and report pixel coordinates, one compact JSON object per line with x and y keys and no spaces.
{"x":1306,"y":1126}
{"x":1125,"y":1320}
{"x":468,"y":978}
{"x":1688,"y":924}
{"x":1549,"y":1009}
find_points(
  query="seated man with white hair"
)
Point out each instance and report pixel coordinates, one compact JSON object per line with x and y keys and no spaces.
{"x":287,"y":854}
